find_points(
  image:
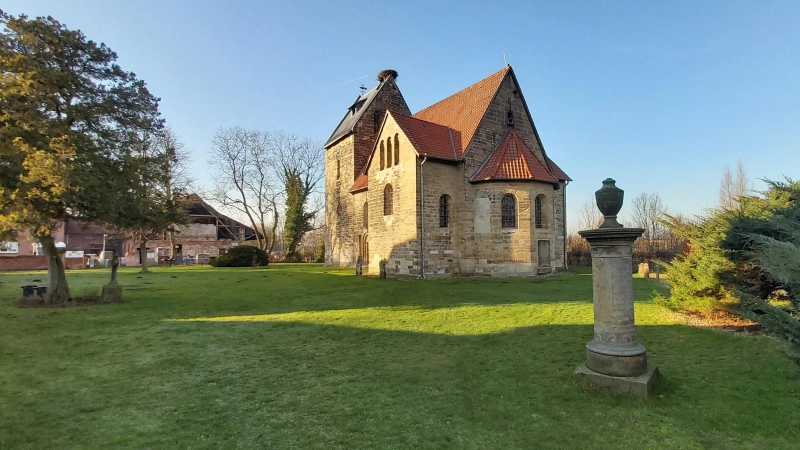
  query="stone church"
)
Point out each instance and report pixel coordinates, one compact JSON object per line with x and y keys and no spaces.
{"x":463,"y":187}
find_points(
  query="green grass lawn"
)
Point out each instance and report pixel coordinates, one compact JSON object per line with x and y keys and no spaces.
{"x":301,"y":356}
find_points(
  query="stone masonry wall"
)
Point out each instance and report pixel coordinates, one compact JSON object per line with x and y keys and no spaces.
{"x":394,"y":237}
{"x":366,"y":130}
{"x":443,"y":246}
{"x":343,"y":210}
{"x":339,"y":208}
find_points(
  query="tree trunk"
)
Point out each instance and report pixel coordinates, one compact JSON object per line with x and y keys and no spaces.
{"x":274,"y":230}
{"x":171,"y":244}
{"x":57,"y":287}
{"x":143,"y":253}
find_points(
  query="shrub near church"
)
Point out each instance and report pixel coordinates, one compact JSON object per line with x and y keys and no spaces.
{"x":242,"y":256}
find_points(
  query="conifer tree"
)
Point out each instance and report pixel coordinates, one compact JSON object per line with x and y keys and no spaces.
{"x":70,"y":121}
{"x":745,"y":260}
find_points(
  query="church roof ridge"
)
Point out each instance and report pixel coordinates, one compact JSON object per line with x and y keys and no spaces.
{"x":464,"y":110}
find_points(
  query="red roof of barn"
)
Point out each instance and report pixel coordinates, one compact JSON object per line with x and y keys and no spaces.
{"x":512,"y":159}
{"x":463,"y":111}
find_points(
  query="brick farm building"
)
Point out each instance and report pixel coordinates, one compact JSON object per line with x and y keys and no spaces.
{"x":463,"y":187}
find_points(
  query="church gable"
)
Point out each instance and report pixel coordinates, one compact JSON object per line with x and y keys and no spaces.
{"x":417,"y":136}
{"x":462,"y":112}
{"x":506,"y":111}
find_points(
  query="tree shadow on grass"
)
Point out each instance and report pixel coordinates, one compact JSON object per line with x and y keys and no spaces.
{"x":366,"y":387}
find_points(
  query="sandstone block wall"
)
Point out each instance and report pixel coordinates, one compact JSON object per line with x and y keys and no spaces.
{"x":339,"y":204}
{"x":394,"y":237}
{"x":443,"y":246}
{"x":346,"y":237}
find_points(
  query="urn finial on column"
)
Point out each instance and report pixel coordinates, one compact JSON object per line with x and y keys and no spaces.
{"x":609,"y":202}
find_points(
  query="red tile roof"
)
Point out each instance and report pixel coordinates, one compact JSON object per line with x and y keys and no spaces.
{"x":362,"y":182}
{"x":429,"y":139}
{"x":513,"y":160}
{"x":557,"y":170}
{"x":463,"y":111}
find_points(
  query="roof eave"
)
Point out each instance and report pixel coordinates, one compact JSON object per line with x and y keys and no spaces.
{"x":538,"y":180}
{"x":331,"y":142}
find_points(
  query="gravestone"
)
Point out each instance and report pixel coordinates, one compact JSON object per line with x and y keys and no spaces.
{"x":382,"y":265}
{"x":644,"y":270}
{"x":615,"y":359}
{"x":359,"y":266}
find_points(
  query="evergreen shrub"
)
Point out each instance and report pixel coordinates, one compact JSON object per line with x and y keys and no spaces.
{"x":242,"y":256}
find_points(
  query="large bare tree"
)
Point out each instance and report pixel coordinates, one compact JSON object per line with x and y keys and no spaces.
{"x":299,"y":165}
{"x":648,"y":211}
{"x":245,"y":180}
{"x":589,"y":216}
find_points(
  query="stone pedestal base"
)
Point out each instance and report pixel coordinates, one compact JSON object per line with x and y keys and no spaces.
{"x":112,"y":293}
{"x":640,"y":386}
{"x":617,"y":366}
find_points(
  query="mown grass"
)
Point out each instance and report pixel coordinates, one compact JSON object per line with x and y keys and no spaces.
{"x":301,"y":356}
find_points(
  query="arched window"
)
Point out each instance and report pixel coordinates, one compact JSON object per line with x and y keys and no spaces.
{"x":382,"y":153}
{"x":396,"y":150}
{"x":388,"y":152}
{"x":444,"y":211}
{"x":388,"y":201}
{"x":537,"y":211}
{"x":508,"y":210}
{"x":366,"y":215}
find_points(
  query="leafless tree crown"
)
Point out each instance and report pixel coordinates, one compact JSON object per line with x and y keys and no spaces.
{"x":252,"y":168}
{"x":733,"y":188}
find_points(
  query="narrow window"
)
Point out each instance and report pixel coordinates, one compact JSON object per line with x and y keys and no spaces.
{"x":366,"y":215}
{"x":537,"y":211}
{"x":444,"y":211}
{"x":382,"y":153}
{"x":388,"y":201}
{"x":338,"y":167}
{"x":389,"y":152}
{"x":396,"y":150}
{"x":508,"y":212}
{"x":376,"y":120}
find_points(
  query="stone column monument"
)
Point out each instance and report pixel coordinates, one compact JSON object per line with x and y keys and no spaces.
{"x":614,"y":358}
{"x":112,"y":292}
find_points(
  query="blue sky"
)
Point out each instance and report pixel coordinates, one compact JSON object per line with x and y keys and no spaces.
{"x":660,"y":96}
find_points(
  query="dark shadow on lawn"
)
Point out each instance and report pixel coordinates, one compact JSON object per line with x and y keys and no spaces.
{"x":714,"y":385}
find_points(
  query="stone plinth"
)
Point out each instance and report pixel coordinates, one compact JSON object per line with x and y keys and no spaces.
{"x":641,"y":386}
{"x":112,"y":293}
{"x":614,"y":358}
